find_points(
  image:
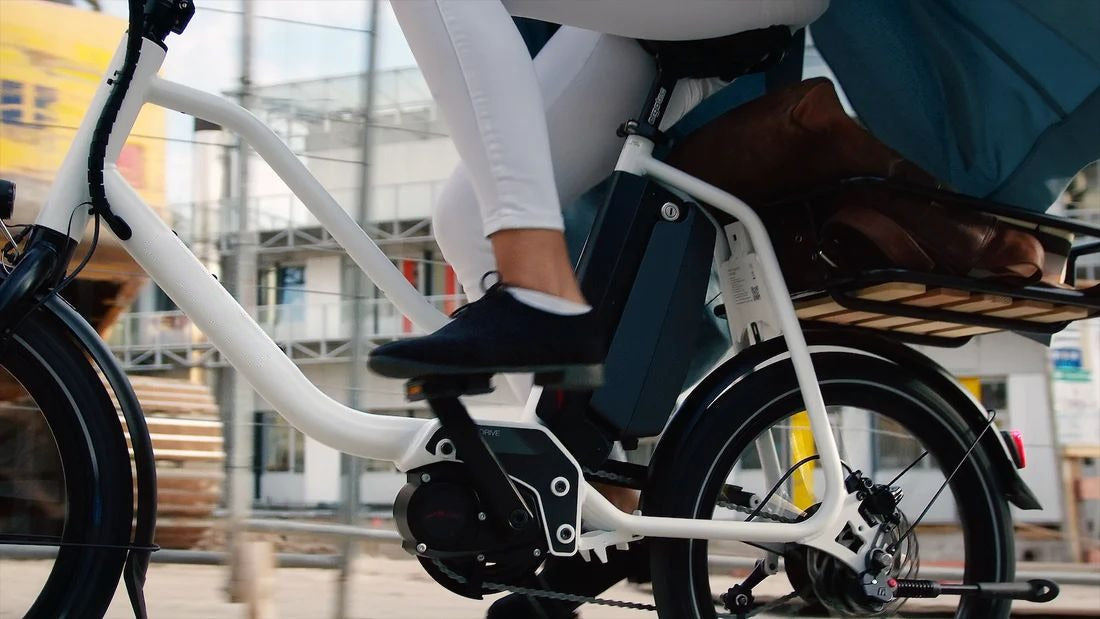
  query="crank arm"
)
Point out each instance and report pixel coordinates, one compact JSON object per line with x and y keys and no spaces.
{"x":503,"y":500}
{"x":1034,"y":590}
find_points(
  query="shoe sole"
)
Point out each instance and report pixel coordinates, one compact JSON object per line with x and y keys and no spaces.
{"x":575,"y":376}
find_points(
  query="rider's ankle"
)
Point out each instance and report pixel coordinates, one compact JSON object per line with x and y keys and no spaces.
{"x":546,"y":302}
{"x":536,"y":259}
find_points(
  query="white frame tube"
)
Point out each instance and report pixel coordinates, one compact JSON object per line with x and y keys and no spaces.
{"x":307,"y":188}
{"x":270,"y":372}
{"x":397,"y":439}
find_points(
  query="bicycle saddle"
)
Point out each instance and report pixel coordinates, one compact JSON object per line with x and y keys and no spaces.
{"x":726,"y":57}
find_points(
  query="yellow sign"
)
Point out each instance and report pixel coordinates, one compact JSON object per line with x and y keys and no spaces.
{"x":973,"y":384}
{"x":52,"y":57}
{"x":802,"y":447}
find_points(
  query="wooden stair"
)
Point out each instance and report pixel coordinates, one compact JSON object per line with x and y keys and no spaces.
{"x":186,"y":429}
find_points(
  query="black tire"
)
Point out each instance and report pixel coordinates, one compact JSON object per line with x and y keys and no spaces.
{"x":98,"y":487}
{"x":687,"y":485}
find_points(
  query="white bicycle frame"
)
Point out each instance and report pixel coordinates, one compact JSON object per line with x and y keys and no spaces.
{"x":397,"y":439}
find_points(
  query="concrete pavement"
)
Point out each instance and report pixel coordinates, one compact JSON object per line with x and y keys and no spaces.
{"x":384,"y":588}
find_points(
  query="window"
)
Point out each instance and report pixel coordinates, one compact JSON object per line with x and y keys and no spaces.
{"x":290,"y":291}
{"x":11,"y":101}
{"x":44,"y":100}
{"x":282,"y":448}
{"x":283,"y":286}
{"x":994,"y":393}
{"x":894,"y":446}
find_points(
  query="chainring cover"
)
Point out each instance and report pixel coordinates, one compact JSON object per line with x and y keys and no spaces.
{"x":441,"y":519}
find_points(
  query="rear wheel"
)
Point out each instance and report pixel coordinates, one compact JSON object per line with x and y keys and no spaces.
{"x":66,"y":499}
{"x":882,"y":421}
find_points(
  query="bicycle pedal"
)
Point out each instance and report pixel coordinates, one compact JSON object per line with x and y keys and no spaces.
{"x":447,"y":386}
{"x":572,"y":378}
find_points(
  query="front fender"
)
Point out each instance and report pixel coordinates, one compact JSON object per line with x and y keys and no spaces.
{"x":19,"y":295}
{"x":695,"y":405}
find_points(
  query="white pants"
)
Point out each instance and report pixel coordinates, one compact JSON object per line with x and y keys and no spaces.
{"x":532,"y":134}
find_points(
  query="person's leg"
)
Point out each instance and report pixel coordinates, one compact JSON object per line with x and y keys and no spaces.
{"x":476,"y":64}
{"x":670,"y":20}
{"x":590,"y":83}
{"x":479,"y":71}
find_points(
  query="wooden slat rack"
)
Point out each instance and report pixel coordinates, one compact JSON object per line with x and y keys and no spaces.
{"x":938,"y":308}
{"x":935,"y":312}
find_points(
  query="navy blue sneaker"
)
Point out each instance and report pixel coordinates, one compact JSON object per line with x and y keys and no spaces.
{"x":499,"y":334}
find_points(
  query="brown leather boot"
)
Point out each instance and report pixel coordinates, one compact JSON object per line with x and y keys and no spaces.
{"x":789,"y":141}
{"x":799,"y":138}
{"x":878,"y":229}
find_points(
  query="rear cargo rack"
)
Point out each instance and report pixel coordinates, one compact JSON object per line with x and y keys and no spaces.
{"x":942,"y":309}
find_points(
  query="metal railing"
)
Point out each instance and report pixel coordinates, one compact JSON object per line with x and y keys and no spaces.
{"x":278,"y":217}
{"x":308,"y":332}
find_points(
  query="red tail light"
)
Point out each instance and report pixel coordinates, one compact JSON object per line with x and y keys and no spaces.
{"x":1015,"y":441}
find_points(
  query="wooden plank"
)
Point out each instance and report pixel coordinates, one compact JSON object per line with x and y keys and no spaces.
{"x":188,"y":454}
{"x":1060,"y":313}
{"x":179,"y":497}
{"x":1022,"y":308}
{"x":937,"y":297}
{"x":888,"y":322}
{"x":928,"y":326}
{"x":1081,"y":451}
{"x":186,"y":443}
{"x":979,"y":303}
{"x":190,"y":511}
{"x":190,"y":486}
{"x":891,"y":291}
{"x":189,"y":408}
{"x":817,"y":307}
{"x":1087,"y":488}
{"x":172,"y":428}
{"x":212,"y":474}
{"x":964,"y":331}
{"x":847,"y":317}
{"x":187,"y":422}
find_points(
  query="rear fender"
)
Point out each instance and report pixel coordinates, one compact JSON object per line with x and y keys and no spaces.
{"x":695,"y":405}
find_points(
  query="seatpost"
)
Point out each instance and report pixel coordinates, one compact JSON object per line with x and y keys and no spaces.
{"x":653,"y":110}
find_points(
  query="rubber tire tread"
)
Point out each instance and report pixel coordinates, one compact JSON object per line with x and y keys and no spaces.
{"x":96,"y":464}
{"x":733,"y":420}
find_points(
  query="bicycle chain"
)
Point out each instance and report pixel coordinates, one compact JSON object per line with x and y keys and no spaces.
{"x":545,"y":593}
{"x":583,"y":599}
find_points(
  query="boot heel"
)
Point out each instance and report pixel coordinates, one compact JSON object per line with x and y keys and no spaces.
{"x":572,"y":378}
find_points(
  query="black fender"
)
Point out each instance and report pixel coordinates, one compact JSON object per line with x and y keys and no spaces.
{"x":695,"y":405}
{"x":62,"y":314}
{"x":145,"y":469}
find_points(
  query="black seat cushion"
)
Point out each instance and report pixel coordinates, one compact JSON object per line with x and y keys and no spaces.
{"x":725,"y":57}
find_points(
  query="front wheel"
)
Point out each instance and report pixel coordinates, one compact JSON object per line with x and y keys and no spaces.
{"x":66,"y":496}
{"x":882,"y":421}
